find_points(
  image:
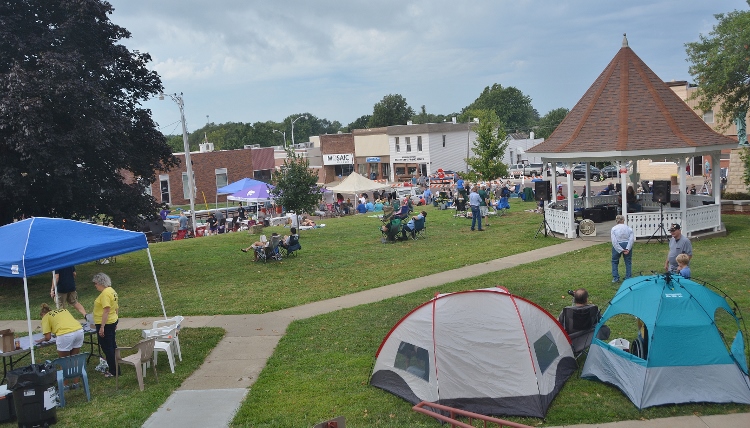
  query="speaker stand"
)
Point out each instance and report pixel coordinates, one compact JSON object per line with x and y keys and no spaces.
{"x":544,"y":225}
{"x":660,"y":230}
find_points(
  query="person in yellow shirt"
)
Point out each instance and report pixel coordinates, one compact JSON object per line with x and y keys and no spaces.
{"x":68,"y":331}
{"x":106,"y":312}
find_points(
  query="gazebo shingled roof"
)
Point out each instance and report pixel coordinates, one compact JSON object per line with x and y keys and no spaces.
{"x":629,"y":112}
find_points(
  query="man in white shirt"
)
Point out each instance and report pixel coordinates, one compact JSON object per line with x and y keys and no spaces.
{"x":622,"y":244}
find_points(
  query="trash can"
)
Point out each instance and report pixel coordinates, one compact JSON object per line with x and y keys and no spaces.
{"x":34,"y":394}
{"x":266,"y":222}
{"x":166,"y":236}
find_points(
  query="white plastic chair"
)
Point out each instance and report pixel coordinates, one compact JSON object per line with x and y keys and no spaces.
{"x":175,"y":322}
{"x":164,"y":343}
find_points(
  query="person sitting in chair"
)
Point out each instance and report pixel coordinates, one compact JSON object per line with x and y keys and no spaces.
{"x":584,"y":316}
{"x":291,"y":242}
{"x":410,"y":226}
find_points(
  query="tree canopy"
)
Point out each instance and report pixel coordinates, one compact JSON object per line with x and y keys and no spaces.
{"x":489,"y":147}
{"x":391,"y":110}
{"x":548,"y":123}
{"x":511,"y":106}
{"x":295,"y":184}
{"x":71,"y":122}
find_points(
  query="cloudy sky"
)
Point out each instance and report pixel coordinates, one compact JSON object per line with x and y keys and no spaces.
{"x":249,"y":61}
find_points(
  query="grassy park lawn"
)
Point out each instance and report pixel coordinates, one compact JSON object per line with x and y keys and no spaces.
{"x":210,"y":275}
{"x":322,"y":365}
{"x":128,"y":406}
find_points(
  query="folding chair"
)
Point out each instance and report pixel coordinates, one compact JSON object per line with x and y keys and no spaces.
{"x":579,"y":322}
{"x":292,"y":248}
{"x":419,"y":228}
{"x":271,"y":250}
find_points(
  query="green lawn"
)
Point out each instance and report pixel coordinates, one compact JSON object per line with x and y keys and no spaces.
{"x":322,"y":366}
{"x":128,"y":406}
{"x":205,"y":276}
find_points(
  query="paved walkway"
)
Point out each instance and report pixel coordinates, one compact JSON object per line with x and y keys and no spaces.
{"x":251,"y":339}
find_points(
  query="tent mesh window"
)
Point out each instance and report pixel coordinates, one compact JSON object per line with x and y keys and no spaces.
{"x":413,"y":359}
{"x":546,"y":351}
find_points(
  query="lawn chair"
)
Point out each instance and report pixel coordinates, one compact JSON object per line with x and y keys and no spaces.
{"x":579,"y":322}
{"x":515,"y":192}
{"x":144,"y":355}
{"x":392,"y":229}
{"x":169,"y":323}
{"x":292,"y":248}
{"x":271,"y":250}
{"x":72,"y":367}
{"x":166,"y":343}
{"x":419,"y":228}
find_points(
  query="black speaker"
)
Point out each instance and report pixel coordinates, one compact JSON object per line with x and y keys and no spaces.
{"x":543,"y":190}
{"x":593,"y":214}
{"x":662,"y":191}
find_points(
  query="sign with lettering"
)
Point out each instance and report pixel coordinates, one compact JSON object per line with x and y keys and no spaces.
{"x":372,"y":160}
{"x":401,"y":159}
{"x":338,"y":159}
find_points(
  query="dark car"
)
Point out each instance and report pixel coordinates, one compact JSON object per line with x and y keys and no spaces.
{"x":579,"y":173}
{"x":610,"y":171}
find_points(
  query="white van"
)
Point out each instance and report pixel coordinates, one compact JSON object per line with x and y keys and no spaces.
{"x":413,"y":193}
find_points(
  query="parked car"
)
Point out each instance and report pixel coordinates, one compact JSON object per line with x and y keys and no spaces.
{"x":559,"y":169}
{"x":534,"y":169}
{"x":579,"y":172}
{"x":517,"y":170}
{"x":610,"y":171}
{"x":413,"y":193}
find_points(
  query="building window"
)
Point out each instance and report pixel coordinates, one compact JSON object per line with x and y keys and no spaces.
{"x":408,"y":144}
{"x":221,"y":177}
{"x":343,"y":170}
{"x":708,"y":116}
{"x":443,"y":140}
{"x":419,"y":143}
{"x":398,"y":148}
{"x":185,"y":186}
{"x":385,"y":170}
{"x":164,"y":188}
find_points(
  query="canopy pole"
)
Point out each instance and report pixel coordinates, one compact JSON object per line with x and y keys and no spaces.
{"x":54,"y":285}
{"x":158,"y":290}
{"x":28,"y":318}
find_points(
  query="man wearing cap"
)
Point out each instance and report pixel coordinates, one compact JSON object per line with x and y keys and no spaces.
{"x":677,"y":245}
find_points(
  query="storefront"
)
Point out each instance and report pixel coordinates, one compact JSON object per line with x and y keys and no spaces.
{"x":374,"y":167}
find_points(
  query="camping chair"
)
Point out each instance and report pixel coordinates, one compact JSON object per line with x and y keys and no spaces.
{"x":393,"y":228}
{"x":515,"y":192}
{"x":502,"y":206}
{"x":419,"y":228}
{"x":292,"y":248}
{"x":271,"y":250}
{"x":579,"y":322}
{"x":144,"y":355}
{"x":72,"y":367}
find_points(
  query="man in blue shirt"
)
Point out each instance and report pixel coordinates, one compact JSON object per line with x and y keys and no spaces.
{"x":474,"y":201}
{"x":409,"y":227}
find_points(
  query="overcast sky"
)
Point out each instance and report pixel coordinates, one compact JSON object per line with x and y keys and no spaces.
{"x":249,"y":61}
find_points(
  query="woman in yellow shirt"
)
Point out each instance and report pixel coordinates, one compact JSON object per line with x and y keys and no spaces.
{"x":68,"y":331}
{"x":106,"y":311}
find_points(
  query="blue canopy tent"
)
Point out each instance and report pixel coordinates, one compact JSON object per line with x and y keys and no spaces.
{"x":237,"y":186}
{"x":39,"y":245}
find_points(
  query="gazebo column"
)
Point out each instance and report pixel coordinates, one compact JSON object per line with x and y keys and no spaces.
{"x":623,"y":189}
{"x":588,"y":186}
{"x":571,"y":204}
{"x":716,"y":176}
{"x":681,"y":179}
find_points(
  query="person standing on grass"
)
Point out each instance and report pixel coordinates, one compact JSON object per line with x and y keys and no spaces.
{"x":68,"y":331}
{"x":679,"y":244}
{"x":106,"y":315}
{"x":65,"y":279}
{"x":623,"y":238}
{"x":476,"y":216}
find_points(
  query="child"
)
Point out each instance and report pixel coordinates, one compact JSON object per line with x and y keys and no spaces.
{"x":682,"y":265}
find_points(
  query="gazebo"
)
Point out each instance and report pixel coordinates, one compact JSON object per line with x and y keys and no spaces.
{"x":629,"y":114}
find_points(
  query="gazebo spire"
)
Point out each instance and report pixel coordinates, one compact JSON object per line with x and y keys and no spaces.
{"x":624,"y":40}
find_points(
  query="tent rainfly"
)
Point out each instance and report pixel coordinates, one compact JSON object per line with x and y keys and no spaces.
{"x":485,"y":351}
{"x":357,"y":184}
{"x":39,"y":245}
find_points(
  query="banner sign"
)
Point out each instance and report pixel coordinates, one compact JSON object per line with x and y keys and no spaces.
{"x":338,"y":159}
{"x":372,"y":160}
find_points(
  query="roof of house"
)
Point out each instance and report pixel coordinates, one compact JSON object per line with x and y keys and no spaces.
{"x":630,"y":112}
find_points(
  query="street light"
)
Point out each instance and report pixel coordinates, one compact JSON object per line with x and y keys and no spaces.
{"x":191,"y":181}
{"x":282,"y":133}
{"x":298,"y":118}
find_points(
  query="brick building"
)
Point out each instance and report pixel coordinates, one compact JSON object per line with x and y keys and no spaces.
{"x":212,"y":170}
{"x":337,"y":151}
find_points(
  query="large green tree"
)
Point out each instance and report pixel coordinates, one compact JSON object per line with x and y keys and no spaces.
{"x":295,"y":184}
{"x":71,"y":121}
{"x":391,"y":110}
{"x":720,"y":63}
{"x":548,"y":123}
{"x":511,"y":106}
{"x":489,"y":146}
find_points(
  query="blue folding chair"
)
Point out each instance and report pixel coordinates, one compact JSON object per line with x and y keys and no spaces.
{"x":72,"y":367}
